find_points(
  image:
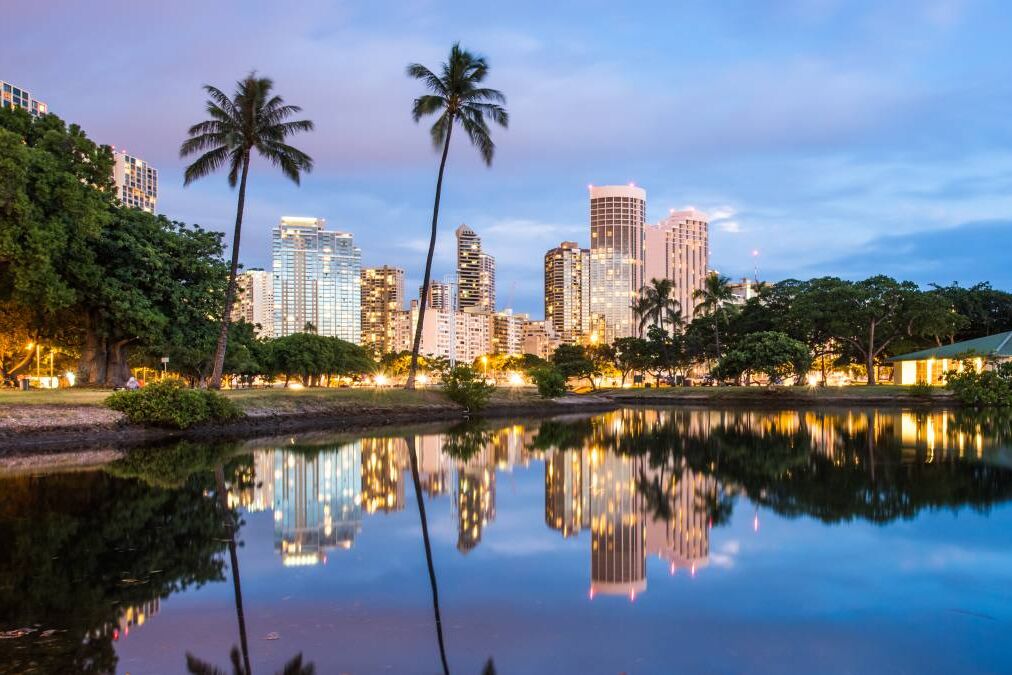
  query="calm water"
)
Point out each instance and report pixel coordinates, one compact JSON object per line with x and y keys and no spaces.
{"x":641,"y":541}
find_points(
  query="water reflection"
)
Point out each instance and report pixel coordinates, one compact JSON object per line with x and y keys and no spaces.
{"x":93,"y":556}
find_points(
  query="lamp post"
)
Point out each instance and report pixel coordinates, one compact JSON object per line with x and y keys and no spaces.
{"x":484,"y":363}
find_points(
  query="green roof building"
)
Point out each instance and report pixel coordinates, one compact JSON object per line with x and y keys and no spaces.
{"x":930,"y":365}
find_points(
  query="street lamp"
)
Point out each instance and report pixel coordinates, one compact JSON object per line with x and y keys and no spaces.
{"x":484,"y":363}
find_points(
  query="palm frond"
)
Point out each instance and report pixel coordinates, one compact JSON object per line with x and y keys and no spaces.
{"x":206,"y":164}
{"x":427,"y":105}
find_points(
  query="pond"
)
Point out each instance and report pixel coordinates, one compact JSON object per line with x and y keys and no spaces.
{"x":637,"y":541}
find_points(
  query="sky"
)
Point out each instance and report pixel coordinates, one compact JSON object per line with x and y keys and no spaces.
{"x":834,"y":137}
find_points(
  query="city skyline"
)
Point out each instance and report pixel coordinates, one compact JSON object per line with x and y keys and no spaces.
{"x":813,"y":160}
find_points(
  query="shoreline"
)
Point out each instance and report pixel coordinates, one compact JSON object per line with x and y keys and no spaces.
{"x":89,"y":429}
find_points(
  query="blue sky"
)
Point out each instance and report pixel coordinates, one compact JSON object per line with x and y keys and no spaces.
{"x":835,"y":137}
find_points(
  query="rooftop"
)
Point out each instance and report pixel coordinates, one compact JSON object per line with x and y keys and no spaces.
{"x":992,"y":345}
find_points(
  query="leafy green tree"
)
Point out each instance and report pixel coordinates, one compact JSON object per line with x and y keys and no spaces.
{"x":712,"y":300}
{"x":251,"y":120}
{"x":457,"y":96}
{"x":549,"y":381}
{"x":772,"y":354}
{"x":656,"y":305}
{"x":866,"y":317}
{"x":666,"y":353}
{"x":632,"y":355}
{"x":987,"y":311}
{"x":464,"y":386}
{"x":573,"y":361}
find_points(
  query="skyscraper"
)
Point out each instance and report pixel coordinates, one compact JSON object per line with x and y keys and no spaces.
{"x":567,"y":291}
{"x":507,"y":332}
{"x":617,"y":216}
{"x":439,"y":295}
{"x":316,"y":280}
{"x":475,"y":273}
{"x":136,"y":182}
{"x":254,"y":301}
{"x":382,"y":298}
{"x":678,"y":248}
{"x":617,"y":545}
{"x":13,"y":96}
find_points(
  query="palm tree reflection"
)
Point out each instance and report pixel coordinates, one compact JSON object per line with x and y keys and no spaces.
{"x":195,"y":666}
{"x":230,"y":527}
{"x":413,"y":457}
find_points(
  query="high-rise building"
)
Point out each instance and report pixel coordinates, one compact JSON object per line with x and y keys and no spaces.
{"x":458,"y":336}
{"x":254,"y":301}
{"x":136,"y":182}
{"x":382,"y":298}
{"x":13,"y":96}
{"x":316,"y":280}
{"x":617,"y":217}
{"x":439,"y":295}
{"x":567,"y":291}
{"x":678,"y":248}
{"x":475,"y":273}
{"x":508,"y":332}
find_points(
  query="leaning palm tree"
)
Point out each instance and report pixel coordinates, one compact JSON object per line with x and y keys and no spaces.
{"x":252,"y":120}
{"x":456,"y":97}
{"x":656,"y":305}
{"x":712,"y":299}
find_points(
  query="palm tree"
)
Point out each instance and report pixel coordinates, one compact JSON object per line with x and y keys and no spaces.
{"x":457,"y":97}
{"x":656,"y":305}
{"x":252,"y":119}
{"x":195,"y":666}
{"x":712,"y":297}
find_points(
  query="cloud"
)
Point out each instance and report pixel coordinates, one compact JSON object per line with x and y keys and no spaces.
{"x":730,"y":226}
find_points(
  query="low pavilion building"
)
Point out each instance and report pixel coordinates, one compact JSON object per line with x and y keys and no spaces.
{"x":930,"y":365}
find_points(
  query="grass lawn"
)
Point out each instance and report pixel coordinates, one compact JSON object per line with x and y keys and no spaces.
{"x":277,"y":398}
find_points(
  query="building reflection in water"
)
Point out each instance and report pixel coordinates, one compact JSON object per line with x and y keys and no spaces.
{"x":130,"y":618}
{"x":624,"y":478}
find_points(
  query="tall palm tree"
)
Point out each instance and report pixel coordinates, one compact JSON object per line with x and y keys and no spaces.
{"x":711,"y":300}
{"x":656,"y":305}
{"x":457,"y":97}
{"x":252,"y":120}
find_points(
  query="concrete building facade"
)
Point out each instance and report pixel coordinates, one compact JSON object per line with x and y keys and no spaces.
{"x":382,"y":293}
{"x":136,"y":182}
{"x":254,"y":301}
{"x":475,"y":272}
{"x":567,"y":291}
{"x":13,"y":96}
{"x":678,"y":248}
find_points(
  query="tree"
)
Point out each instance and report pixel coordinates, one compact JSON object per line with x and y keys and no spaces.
{"x":772,"y":354}
{"x":574,"y":361}
{"x":666,"y":353}
{"x":251,"y":120}
{"x":987,"y":311}
{"x":712,"y":299}
{"x":631,"y":355}
{"x":457,"y":97}
{"x":866,"y":316}
{"x":656,"y":305}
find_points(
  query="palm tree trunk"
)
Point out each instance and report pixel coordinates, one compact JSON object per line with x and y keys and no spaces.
{"x":428,"y":550}
{"x":428,"y":262}
{"x":219,"y":352}
{"x":219,"y":478}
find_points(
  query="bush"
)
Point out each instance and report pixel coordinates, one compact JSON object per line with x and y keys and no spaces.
{"x":551,"y":383}
{"x":464,"y":386}
{"x":987,"y":389}
{"x":170,"y":404}
{"x":921,"y":389}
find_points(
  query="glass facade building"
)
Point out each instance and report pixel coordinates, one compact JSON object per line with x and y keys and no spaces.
{"x":13,"y":96}
{"x":317,"y":280}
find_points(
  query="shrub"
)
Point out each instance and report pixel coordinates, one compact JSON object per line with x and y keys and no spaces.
{"x":550,"y":382}
{"x":464,"y":386}
{"x":987,"y":389}
{"x":921,"y":389}
{"x":170,"y":404}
